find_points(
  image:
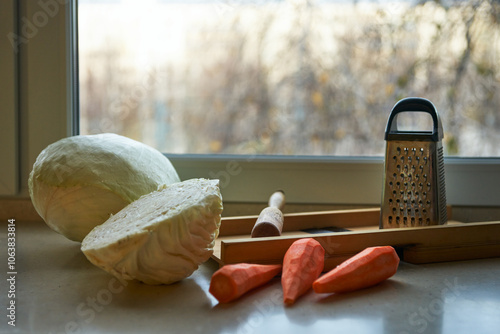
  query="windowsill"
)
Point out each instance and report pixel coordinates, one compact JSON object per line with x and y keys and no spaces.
{"x":60,"y":291}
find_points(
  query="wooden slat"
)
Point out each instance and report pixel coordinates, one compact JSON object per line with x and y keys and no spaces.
{"x":303,"y":220}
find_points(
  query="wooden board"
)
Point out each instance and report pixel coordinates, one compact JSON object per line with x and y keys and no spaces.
{"x":354,"y":231}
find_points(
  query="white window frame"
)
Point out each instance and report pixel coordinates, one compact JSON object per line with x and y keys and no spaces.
{"x":49,"y":103}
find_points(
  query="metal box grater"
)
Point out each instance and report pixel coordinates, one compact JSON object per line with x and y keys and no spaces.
{"x":414,"y":186}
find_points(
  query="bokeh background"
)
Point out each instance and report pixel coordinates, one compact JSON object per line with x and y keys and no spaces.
{"x":288,"y":77}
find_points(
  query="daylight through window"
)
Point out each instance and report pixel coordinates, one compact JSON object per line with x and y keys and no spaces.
{"x":291,"y":77}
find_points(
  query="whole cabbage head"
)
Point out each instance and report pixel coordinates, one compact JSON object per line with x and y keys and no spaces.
{"x":78,"y":182}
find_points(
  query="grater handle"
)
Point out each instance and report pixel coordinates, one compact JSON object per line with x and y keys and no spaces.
{"x":412,"y":104}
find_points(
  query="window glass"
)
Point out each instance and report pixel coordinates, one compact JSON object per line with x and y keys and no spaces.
{"x":293,"y":77}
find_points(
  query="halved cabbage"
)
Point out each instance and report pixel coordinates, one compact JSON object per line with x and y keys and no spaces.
{"x":162,"y":237}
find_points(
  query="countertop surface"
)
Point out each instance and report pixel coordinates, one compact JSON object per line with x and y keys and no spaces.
{"x":56,"y":290}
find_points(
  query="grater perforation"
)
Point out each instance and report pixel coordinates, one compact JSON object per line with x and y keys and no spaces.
{"x":414,"y":186}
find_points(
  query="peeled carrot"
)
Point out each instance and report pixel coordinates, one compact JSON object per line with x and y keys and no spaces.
{"x":367,"y":268}
{"x":233,"y":280}
{"x":302,"y":264}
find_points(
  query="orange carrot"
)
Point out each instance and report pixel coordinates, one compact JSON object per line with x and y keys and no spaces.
{"x":302,"y":264}
{"x":367,"y":268}
{"x":233,"y":280}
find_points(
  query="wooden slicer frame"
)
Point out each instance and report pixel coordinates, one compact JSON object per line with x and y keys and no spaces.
{"x":344,"y":233}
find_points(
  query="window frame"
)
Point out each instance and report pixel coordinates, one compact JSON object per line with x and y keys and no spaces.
{"x":333,"y":180}
{"x":43,"y":86}
{"x":9,"y":168}
{"x":311,"y":179}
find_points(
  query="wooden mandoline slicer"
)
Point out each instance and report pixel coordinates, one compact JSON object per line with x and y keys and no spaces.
{"x":344,"y":233}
